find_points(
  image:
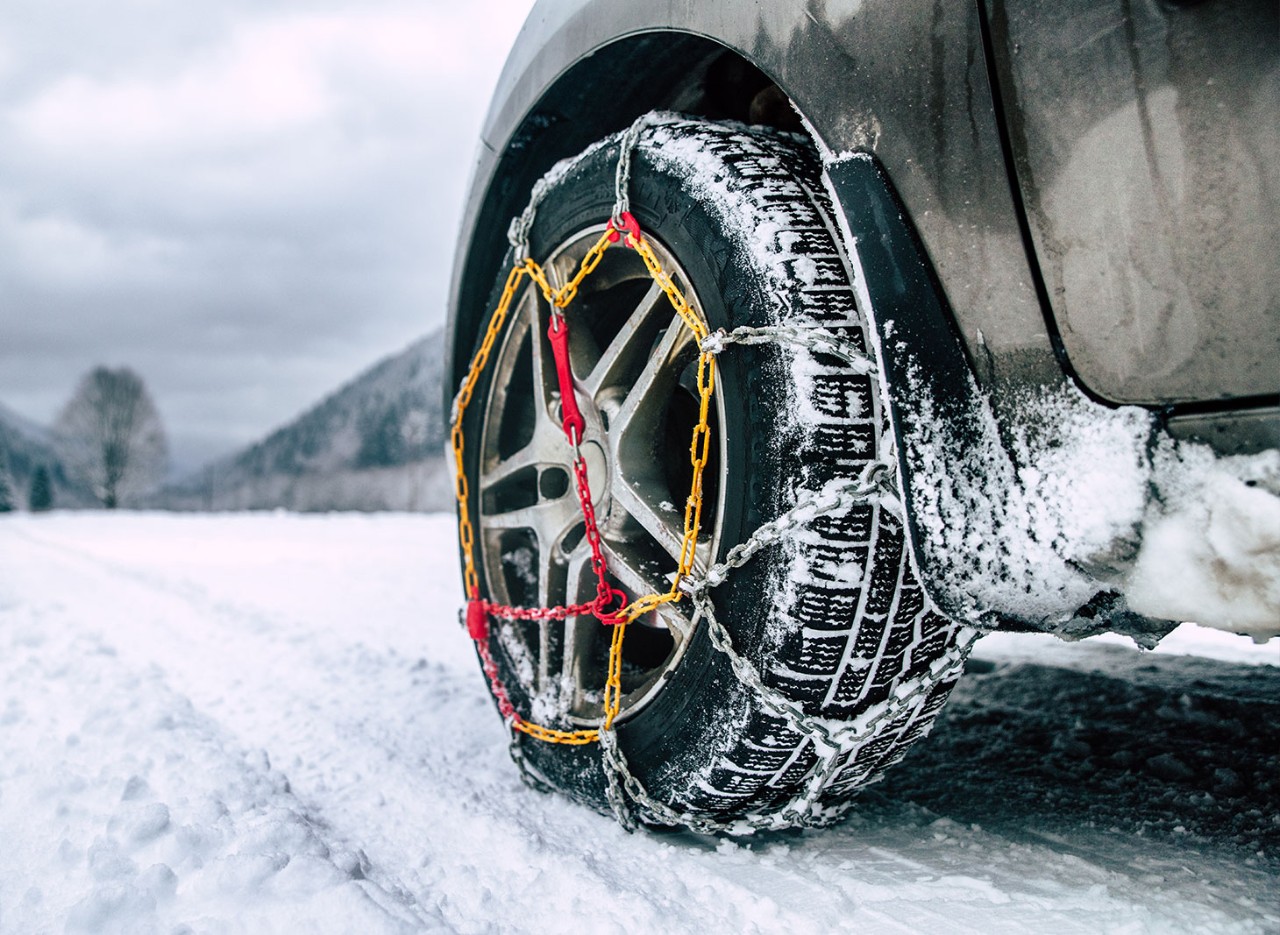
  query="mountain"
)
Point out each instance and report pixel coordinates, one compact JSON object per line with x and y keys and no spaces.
{"x":24,"y":446}
{"x":375,"y":444}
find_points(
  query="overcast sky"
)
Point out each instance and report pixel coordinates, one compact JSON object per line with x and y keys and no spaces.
{"x":247,"y":202}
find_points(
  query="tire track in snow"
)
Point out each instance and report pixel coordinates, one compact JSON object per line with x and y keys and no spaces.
{"x":130,"y":811}
{"x":383,"y":730}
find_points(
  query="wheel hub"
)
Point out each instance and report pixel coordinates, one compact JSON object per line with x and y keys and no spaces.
{"x":631,"y":358}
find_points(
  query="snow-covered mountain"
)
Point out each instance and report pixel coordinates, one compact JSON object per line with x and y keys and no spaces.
{"x":24,"y":447}
{"x":374,"y":444}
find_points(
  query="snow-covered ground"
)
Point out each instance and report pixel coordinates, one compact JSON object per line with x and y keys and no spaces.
{"x":272,"y":723}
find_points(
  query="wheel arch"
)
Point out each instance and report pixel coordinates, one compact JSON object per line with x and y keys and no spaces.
{"x":904,"y":80}
{"x":596,"y":95}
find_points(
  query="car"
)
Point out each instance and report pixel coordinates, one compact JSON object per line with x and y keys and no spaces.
{"x":792,"y":346}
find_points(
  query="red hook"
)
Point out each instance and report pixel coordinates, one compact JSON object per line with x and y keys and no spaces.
{"x":629,"y":226}
{"x":477,"y":618}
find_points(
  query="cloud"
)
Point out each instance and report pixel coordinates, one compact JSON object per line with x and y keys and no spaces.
{"x":255,"y":198}
{"x":270,"y":79}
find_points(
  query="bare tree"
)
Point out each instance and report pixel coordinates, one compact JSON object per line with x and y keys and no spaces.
{"x":111,"y":434}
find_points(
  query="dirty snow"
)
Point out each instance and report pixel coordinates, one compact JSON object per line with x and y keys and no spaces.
{"x":1034,"y":512}
{"x":996,"y":527}
{"x":272,"y":723}
{"x":1211,"y":551}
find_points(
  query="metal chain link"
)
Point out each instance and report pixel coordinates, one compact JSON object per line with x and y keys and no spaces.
{"x":834,"y":743}
{"x":840,"y":494}
{"x":622,"y":177}
{"x":528,"y":775}
{"x":522,"y":224}
{"x":811,"y":337}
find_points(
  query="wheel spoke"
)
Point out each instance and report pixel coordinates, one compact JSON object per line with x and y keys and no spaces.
{"x":642,"y":501}
{"x":546,"y":571}
{"x":645,"y":400}
{"x":578,"y":631}
{"x":545,"y":386}
{"x":625,"y":344}
{"x":637,"y":575}
{"x":638,"y":483}
{"x":549,"y":520}
{"x":551,"y":634}
{"x":532,"y":455}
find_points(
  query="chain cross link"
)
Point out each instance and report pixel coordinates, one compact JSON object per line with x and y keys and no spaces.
{"x":840,"y":494}
{"x":834,"y":743}
{"x":811,"y":337}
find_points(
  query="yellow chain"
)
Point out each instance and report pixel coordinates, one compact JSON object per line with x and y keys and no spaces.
{"x":466,"y":535}
{"x":574,"y":738}
{"x":699,"y":450}
{"x":590,"y":260}
{"x":698,"y":454}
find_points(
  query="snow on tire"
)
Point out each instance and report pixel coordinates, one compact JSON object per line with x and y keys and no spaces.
{"x":832,"y":617}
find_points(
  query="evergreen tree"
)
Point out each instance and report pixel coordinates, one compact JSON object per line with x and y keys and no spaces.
{"x":40,"y":497}
{"x":8,"y":496}
{"x":382,"y":443}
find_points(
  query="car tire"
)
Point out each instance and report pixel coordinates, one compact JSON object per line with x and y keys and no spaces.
{"x":832,"y":618}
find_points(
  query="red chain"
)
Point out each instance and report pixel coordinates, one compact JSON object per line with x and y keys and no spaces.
{"x":574,"y":424}
{"x":507,"y":612}
{"x":605,"y":593}
{"x":609,"y":600}
{"x":505,"y":707}
{"x":571,"y":416}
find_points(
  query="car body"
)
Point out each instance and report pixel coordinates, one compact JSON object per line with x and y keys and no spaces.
{"x":1080,"y":194}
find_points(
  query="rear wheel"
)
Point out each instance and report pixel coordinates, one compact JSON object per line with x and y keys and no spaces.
{"x":831,"y":620}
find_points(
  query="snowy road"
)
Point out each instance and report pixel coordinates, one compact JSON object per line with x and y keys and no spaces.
{"x":273,"y":723}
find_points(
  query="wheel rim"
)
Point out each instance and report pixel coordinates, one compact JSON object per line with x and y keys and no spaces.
{"x":634,"y":366}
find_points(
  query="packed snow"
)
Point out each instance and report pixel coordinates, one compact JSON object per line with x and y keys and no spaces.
{"x":273,"y":723}
{"x":1033,"y":513}
{"x":1217,"y":534}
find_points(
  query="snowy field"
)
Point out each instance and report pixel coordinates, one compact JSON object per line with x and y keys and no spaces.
{"x":272,"y":723}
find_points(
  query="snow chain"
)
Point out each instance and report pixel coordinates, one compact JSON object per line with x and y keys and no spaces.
{"x":835,"y":742}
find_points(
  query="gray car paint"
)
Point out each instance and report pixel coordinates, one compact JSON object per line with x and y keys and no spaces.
{"x":1146,"y":138}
